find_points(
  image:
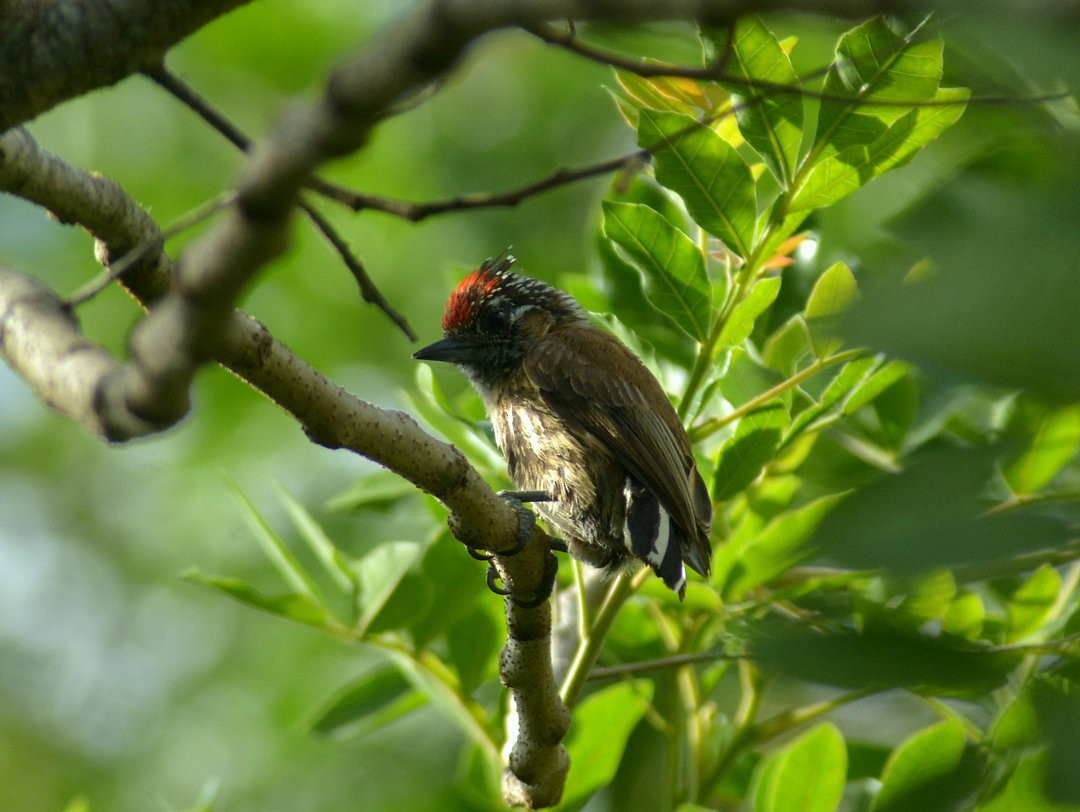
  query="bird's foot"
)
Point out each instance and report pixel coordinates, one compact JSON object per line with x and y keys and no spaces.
{"x":547,"y":586}
{"x":526,"y":520}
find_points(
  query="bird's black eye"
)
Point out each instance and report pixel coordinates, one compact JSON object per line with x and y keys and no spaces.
{"x":495,"y":320}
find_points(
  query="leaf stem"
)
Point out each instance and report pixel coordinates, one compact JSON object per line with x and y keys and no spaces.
{"x":621,"y":588}
{"x":714,"y":424}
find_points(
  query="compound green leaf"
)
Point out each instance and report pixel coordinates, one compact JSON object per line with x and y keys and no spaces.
{"x":705,"y":170}
{"x":770,"y":119}
{"x":670,"y":264}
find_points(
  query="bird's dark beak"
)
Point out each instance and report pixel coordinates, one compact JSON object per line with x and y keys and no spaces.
{"x":450,"y":349}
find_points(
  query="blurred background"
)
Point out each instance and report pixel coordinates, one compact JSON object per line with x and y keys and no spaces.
{"x":123,"y":684}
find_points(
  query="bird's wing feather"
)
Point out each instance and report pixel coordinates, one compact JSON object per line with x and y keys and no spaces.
{"x":574,"y":373}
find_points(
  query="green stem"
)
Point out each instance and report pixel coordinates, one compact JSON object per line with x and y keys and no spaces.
{"x":589,"y":648}
{"x":714,"y":424}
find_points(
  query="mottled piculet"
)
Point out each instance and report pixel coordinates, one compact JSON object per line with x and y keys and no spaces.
{"x":579,"y":417}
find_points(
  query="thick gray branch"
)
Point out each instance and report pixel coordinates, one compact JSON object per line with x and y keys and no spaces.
{"x":54,"y":50}
{"x":41,"y":341}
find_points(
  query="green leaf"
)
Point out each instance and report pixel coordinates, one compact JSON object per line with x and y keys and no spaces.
{"x":374,"y":491}
{"x":671,"y":265}
{"x":873,"y":386}
{"x":927,"y":598}
{"x":458,"y":584}
{"x":919,"y":765}
{"x":326,"y":552}
{"x":707,"y":172}
{"x":744,"y":378}
{"x":786,"y":347}
{"x":428,"y":400}
{"x":1055,"y":442}
{"x":291,"y":606}
{"x":744,"y":455}
{"x":839,"y":175}
{"x":750,"y":560}
{"x":380,"y":572}
{"x":602,"y":725}
{"x":770,"y":119}
{"x":834,"y":290}
{"x":1017,"y":724}
{"x":851,"y":375}
{"x":1057,"y":707}
{"x":937,"y":519}
{"x":741,"y":321}
{"x":807,"y":775}
{"x":1031,"y":605}
{"x":373,"y":700}
{"x":964,"y":617}
{"x":872,"y":63}
{"x":279,"y":554}
{"x":1024,"y":788}
{"x":895,"y":409}
{"x":879,"y":659}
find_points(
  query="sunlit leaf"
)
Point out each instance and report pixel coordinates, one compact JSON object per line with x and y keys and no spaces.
{"x":744,"y":378}
{"x":603,"y":722}
{"x":786,"y":347}
{"x":839,"y":175}
{"x":749,"y":560}
{"x":741,"y":322}
{"x":707,"y":172}
{"x":964,"y":617}
{"x":671,"y":265}
{"x":1055,"y":441}
{"x":770,"y":119}
{"x":1031,"y":604}
{"x":872,"y":63}
{"x":873,"y":386}
{"x":927,"y":771}
{"x":851,"y":375}
{"x":834,"y":290}
{"x":806,"y":775}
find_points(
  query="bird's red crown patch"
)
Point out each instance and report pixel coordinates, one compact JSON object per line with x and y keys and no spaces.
{"x":478,"y":286}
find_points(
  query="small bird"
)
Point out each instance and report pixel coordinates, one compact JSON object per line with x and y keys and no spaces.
{"x":581,"y":419}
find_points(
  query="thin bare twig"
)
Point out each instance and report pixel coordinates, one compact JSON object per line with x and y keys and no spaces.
{"x":218,"y":121}
{"x":674,"y":661}
{"x":415,"y":212}
{"x":117,"y":268}
{"x":716,"y":72}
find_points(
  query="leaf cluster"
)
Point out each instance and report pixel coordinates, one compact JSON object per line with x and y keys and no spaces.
{"x":894,"y":509}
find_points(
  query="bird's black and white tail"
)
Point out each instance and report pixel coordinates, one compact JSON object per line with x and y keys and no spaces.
{"x":653,"y":537}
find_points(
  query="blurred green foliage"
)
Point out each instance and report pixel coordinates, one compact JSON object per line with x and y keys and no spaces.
{"x":878,"y":369}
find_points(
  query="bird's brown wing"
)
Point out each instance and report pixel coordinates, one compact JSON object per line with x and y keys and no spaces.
{"x":602,"y":391}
